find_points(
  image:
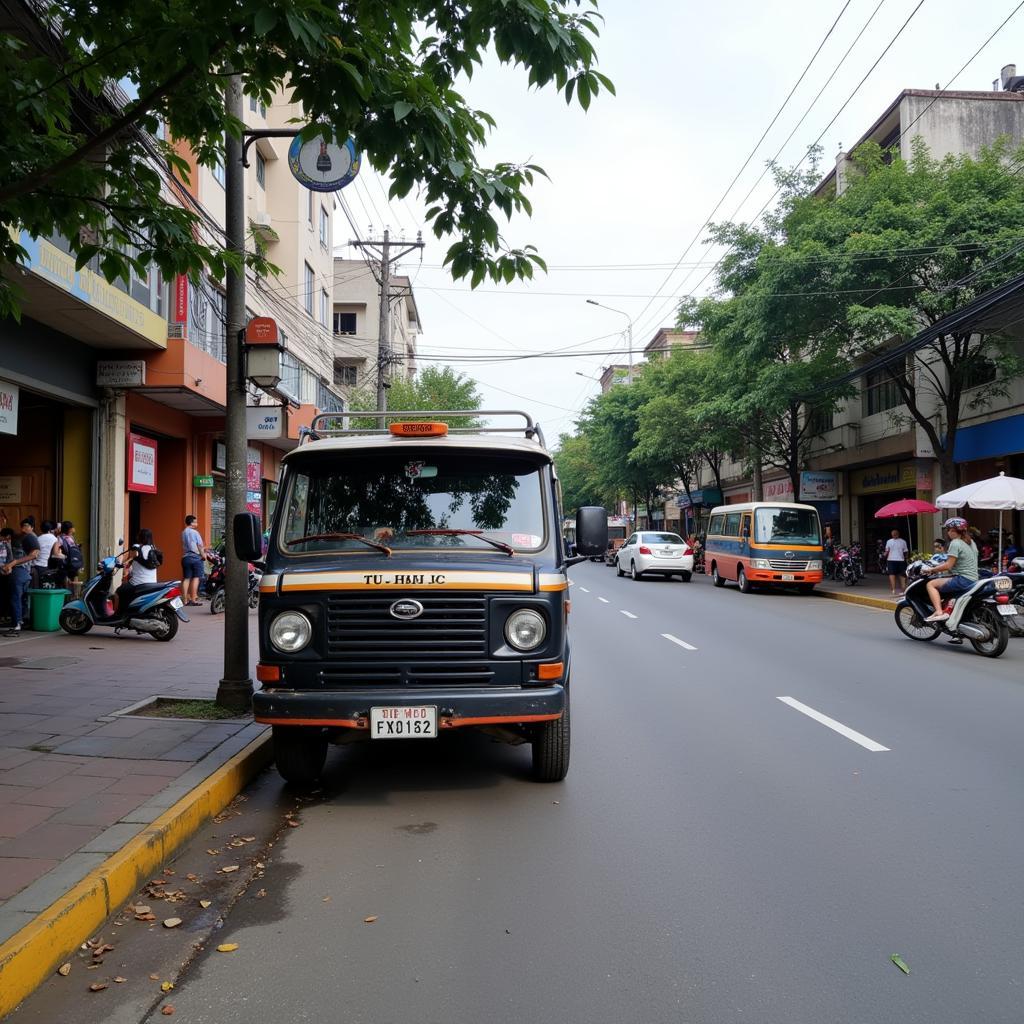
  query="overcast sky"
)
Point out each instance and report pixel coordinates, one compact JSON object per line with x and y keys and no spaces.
{"x":635,"y":178}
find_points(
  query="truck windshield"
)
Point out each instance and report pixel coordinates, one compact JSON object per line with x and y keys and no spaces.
{"x":389,"y":498}
{"x":786,"y":526}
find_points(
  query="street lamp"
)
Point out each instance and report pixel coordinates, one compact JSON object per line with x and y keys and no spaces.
{"x":587,"y":375}
{"x":629,"y":332}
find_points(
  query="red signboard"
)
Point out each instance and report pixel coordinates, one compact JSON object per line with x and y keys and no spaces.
{"x":261,"y":330}
{"x":141,"y":464}
{"x":181,"y":298}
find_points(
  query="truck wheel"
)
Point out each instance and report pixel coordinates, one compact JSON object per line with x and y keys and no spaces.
{"x":299,"y":753}
{"x":551,"y":748}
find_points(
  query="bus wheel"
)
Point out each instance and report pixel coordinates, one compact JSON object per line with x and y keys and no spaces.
{"x":716,"y":577}
{"x":744,"y":584}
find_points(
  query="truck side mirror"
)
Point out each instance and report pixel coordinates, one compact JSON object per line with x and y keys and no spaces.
{"x":248,"y":537}
{"x":591,"y":530}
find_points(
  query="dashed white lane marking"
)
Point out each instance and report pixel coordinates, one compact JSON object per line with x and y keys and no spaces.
{"x":629,"y":615}
{"x":603,"y":600}
{"x":584,"y":589}
{"x":831,"y":723}
{"x":676,"y":640}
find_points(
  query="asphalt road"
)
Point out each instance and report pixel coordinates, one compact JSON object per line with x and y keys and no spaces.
{"x":716,"y":854}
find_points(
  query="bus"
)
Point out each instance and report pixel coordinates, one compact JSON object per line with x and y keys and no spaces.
{"x":765,"y":543}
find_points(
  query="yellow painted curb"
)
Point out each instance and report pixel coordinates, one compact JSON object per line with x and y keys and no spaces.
{"x":862,"y":599}
{"x":35,"y":952}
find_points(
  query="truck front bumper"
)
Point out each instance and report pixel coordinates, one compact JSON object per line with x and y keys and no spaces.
{"x":350,"y":709}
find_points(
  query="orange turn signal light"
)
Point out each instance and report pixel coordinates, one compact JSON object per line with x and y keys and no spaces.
{"x":553,"y":671}
{"x":418,"y":429}
{"x":268,"y":673}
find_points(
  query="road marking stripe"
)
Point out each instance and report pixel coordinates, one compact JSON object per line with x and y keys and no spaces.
{"x":676,"y":640}
{"x":629,"y":615}
{"x":831,"y":723}
{"x":584,"y":589}
{"x":603,"y":600}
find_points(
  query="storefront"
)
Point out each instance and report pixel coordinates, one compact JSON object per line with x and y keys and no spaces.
{"x":821,"y":489}
{"x":875,"y":486}
{"x":48,"y":405}
{"x":696,"y":508}
{"x":986,"y":450}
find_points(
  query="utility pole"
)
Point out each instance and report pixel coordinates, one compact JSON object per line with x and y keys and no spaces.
{"x":382,"y":250}
{"x":235,"y":689}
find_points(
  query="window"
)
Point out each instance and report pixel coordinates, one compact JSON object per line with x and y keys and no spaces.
{"x":325,"y":307}
{"x":255,"y":105}
{"x":309,"y":207}
{"x":291,"y":374}
{"x":325,"y":225}
{"x":716,"y":524}
{"x":261,"y":171}
{"x":308,"y":296}
{"x":344,"y":323}
{"x":820,"y":420}
{"x":980,"y":370}
{"x":880,"y":392}
{"x":218,"y":171}
{"x":786,"y":526}
{"x":732,"y":524}
{"x":347,"y":376}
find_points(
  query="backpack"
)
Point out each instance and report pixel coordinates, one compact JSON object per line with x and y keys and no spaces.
{"x":154,"y":559}
{"x":73,"y":558}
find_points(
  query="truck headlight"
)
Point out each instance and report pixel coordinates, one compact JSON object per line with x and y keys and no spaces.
{"x":760,"y":563}
{"x":814,"y":565}
{"x":525,"y":629}
{"x":290,"y":631}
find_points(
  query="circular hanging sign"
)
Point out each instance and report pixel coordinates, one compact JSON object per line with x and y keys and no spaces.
{"x":323,"y":166}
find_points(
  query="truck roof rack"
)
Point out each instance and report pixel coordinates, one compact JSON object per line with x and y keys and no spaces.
{"x":331,"y":428}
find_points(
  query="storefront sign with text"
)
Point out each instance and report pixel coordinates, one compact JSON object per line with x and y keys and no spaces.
{"x":141,"y":464}
{"x":8,"y":408}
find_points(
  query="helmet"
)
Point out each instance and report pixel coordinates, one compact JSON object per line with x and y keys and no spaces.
{"x":955,"y":523}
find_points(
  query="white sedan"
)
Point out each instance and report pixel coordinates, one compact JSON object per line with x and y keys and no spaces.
{"x":657,"y":554}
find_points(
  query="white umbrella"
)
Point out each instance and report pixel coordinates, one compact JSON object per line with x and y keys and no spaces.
{"x":998,"y":492}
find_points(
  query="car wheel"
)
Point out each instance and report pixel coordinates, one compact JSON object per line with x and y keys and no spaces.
{"x":743,"y":582}
{"x":686,"y":577}
{"x":716,"y":577}
{"x":299,"y":753}
{"x":632,"y":571}
{"x":550,"y":748}
{"x":618,"y":569}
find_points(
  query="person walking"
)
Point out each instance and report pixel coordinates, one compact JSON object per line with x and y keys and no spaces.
{"x":896,"y":562}
{"x":6,"y":555}
{"x":192,"y":548}
{"x":74,"y":560}
{"x":25,"y":548}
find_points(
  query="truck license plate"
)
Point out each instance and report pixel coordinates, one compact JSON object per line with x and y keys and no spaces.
{"x":788,"y":577}
{"x":403,"y":723}
{"x":1007,"y":609}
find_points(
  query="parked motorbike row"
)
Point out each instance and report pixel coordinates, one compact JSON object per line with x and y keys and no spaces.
{"x":987,"y":615}
{"x":152,"y":609}
{"x":845,"y":564}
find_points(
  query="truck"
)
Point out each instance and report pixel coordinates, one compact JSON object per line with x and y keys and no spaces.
{"x":415,"y":584}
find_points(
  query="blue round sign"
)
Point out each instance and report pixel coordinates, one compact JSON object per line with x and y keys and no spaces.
{"x":321,"y":165}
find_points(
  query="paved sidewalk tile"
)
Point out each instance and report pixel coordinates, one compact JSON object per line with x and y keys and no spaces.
{"x":66,"y":791}
{"x":17,"y":872}
{"x":8,"y":794}
{"x":37,"y":773}
{"x":103,"y":809}
{"x":17,"y":819}
{"x":48,"y":840}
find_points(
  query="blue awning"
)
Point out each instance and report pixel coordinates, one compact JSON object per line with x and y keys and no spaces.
{"x":988,"y":440}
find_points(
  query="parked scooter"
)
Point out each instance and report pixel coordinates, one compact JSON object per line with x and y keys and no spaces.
{"x":215,"y":583}
{"x":979,"y":615}
{"x":154,"y":608}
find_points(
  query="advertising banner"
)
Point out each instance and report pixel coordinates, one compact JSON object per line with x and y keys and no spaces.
{"x":819,"y":486}
{"x":8,"y":408}
{"x":141,"y":464}
{"x":253,"y":481}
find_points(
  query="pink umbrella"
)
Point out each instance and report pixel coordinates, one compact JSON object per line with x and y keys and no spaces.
{"x":904,"y":507}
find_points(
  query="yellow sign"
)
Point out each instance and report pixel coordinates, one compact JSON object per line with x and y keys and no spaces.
{"x":892,"y":476}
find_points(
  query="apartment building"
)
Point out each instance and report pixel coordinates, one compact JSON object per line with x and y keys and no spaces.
{"x":356,"y":320}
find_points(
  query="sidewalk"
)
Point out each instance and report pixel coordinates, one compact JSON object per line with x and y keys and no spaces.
{"x":873,"y":590}
{"x":77,"y":781}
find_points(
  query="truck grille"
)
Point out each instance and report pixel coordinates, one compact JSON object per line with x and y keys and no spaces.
{"x":452,"y":629}
{"x":799,"y":564}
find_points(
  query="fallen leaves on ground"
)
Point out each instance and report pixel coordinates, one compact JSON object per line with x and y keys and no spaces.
{"x":898,"y":961}
{"x":167,"y":1010}
{"x":227,"y":947}
{"x":166,"y":986}
{"x":213,"y":853}
{"x":154,"y":977}
{"x":205,"y":903}
{"x":370,"y":919}
{"x":64,"y":970}
{"x":192,"y":877}
{"x":145,"y":917}
{"x":227,"y":869}
{"x":172,"y":922}
{"x":261,"y":894}
{"x":119,"y":980}
{"x":97,"y":986}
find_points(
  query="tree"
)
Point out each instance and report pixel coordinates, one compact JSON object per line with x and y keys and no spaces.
{"x":433,"y":388}
{"x":574,"y":462}
{"x":83,"y":159}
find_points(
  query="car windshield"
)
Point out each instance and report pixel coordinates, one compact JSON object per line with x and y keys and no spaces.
{"x":413,"y":499}
{"x":786,"y":526}
{"x":663,"y":538}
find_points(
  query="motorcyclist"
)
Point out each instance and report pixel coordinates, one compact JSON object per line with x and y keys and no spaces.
{"x":961,"y":561}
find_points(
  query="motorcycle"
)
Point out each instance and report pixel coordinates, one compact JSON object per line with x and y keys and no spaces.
{"x":154,"y":608}
{"x":979,"y":615}
{"x":215,"y":583}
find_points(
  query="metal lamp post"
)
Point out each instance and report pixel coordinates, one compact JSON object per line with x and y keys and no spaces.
{"x":629,"y":332}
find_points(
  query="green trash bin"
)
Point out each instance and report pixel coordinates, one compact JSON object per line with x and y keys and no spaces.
{"x":46,"y":606}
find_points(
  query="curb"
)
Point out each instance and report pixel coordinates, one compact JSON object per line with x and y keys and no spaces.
{"x":32,"y":954}
{"x":861,"y":599}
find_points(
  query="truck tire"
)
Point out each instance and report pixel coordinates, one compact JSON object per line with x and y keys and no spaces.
{"x":551,"y":748}
{"x":299,"y":753}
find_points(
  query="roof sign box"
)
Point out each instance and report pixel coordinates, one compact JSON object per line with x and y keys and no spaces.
{"x":418,"y":429}
{"x":262,"y":330}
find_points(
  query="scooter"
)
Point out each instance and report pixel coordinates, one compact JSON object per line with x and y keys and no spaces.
{"x":154,"y":609}
{"x":979,"y":615}
{"x":215,"y":583}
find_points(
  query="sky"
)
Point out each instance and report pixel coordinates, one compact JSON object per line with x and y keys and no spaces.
{"x":634,"y":179}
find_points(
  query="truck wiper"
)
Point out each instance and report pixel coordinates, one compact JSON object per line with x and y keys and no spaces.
{"x":499,"y":544}
{"x":341,"y":536}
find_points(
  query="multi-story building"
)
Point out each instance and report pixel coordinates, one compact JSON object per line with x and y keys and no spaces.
{"x":356,"y":324}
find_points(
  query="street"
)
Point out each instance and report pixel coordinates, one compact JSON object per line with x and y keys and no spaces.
{"x":715,"y":853}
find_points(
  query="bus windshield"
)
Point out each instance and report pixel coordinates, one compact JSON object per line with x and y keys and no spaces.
{"x":413,"y":499}
{"x":786,"y":526}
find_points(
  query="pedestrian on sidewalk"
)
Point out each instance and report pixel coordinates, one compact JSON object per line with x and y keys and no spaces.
{"x":192,"y":548}
{"x":46,"y":540}
{"x":6,"y":555}
{"x":896,"y":562}
{"x":74,"y":560}
{"x":25,"y":548}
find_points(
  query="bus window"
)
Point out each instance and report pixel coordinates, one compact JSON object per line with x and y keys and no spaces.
{"x":732,"y":525}
{"x":715,"y":526}
{"x":787,"y":526}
